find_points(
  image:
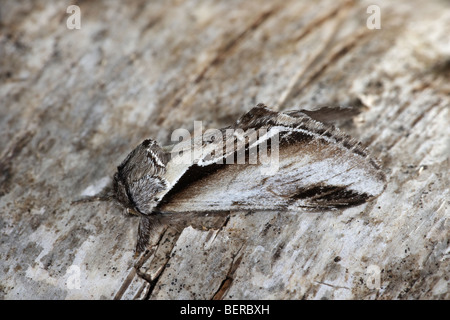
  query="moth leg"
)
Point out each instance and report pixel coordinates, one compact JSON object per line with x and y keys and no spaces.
{"x":129,"y":213}
{"x":144,"y":230}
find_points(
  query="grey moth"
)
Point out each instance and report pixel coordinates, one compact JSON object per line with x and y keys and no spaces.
{"x":266,"y":160}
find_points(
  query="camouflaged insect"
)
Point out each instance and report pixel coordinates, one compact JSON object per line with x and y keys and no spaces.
{"x":318,"y":167}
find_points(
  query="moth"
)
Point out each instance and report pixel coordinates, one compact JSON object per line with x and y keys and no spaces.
{"x":312,"y":166}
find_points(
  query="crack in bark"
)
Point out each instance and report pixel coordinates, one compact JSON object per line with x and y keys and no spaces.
{"x":153,"y":281}
{"x":125,"y":284}
{"x":335,"y":54}
{"x":135,"y":271}
{"x":218,"y":59}
{"x":225,"y":223}
{"x":223,"y":52}
{"x":332,"y":285}
{"x":340,"y":11}
{"x":323,"y":18}
{"x":226,"y":283}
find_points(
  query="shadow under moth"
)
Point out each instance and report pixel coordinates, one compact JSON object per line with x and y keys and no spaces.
{"x":266,"y":160}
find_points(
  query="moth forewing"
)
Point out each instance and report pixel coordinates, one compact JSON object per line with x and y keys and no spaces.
{"x":316,"y":166}
{"x":305,"y":178}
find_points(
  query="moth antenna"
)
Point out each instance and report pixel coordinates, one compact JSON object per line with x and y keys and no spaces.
{"x":104,"y":195}
{"x":169,"y":147}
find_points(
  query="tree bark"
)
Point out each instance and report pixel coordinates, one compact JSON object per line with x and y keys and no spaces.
{"x":74,"y":102}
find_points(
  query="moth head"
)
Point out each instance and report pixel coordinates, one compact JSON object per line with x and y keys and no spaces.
{"x":140,"y":177}
{"x":138,"y":180}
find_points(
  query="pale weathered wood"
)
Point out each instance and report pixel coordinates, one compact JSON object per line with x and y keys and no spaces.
{"x":73,"y":103}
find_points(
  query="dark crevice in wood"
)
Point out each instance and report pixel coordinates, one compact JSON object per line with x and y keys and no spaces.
{"x":225,"y":223}
{"x":230,"y":45}
{"x":136,"y":270}
{"x":323,"y":18}
{"x":125,"y":284}
{"x":154,"y":281}
{"x":335,"y":55}
{"x":218,"y":59}
{"x":226,"y":283}
{"x":298,"y":83}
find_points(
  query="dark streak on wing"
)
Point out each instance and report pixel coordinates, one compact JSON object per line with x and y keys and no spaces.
{"x":193,"y":174}
{"x":326,"y":196}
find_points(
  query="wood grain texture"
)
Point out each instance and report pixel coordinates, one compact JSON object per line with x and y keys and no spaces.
{"x":74,"y":103}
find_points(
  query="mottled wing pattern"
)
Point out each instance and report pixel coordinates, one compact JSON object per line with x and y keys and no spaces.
{"x":319,"y":167}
